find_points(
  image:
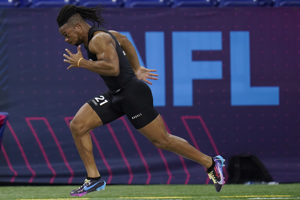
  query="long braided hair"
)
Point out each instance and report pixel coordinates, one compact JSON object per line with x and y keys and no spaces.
{"x":90,"y":14}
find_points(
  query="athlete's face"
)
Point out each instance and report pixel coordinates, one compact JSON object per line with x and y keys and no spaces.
{"x":71,"y":34}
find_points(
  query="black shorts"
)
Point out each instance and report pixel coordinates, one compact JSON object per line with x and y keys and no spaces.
{"x":136,"y":102}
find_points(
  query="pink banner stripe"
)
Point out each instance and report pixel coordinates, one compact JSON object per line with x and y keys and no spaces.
{"x":68,"y":119}
{"x":122,"y":152}
{"x":189,"y":130}
{"x":208,"y":135}
{"x":22,"y":151}
{"x":103,"y":157}
{"x":9,"y":164}
{"x":40,"y":145}
{"x":192,"y":136}
{"x":60,"y":150}
{"x":166,"y":165}
{"x":181,"y":159}
{"x":138,"y":149}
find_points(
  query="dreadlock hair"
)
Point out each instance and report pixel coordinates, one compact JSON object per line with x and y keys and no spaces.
{"x":91,"y":14}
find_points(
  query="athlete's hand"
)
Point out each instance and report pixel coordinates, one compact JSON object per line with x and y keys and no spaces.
{"x":144,"y":74}
{"x":73,"y":59}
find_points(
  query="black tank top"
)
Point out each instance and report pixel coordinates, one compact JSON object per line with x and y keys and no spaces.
{"x":126,"y":75}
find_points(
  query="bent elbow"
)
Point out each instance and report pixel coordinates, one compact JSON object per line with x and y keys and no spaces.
{"x":115,"y":72}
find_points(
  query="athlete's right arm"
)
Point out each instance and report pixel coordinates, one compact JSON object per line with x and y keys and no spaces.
{"x":141,"y":72}
{"x":129,"y":50}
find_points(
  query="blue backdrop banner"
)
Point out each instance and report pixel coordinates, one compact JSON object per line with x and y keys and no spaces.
{"x":228,"y":84}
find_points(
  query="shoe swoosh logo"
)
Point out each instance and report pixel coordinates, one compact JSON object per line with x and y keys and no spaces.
{"x":220,"y":182}
{"x":87,"y":188}
{"x":218,"y":174}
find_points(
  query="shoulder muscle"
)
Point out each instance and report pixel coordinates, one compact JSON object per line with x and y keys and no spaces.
{"x":100,"y":42}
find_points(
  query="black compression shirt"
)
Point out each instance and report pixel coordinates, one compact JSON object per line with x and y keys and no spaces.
{"x":126,"y":74}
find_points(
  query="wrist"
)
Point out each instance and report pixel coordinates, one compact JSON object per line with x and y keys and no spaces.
{"x":78,"y":62}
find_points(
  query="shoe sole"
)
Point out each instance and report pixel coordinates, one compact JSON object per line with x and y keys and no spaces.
{"x":221,"y":163}
{"x":78,"y":195}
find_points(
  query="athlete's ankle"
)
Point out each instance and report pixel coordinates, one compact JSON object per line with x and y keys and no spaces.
{"x":211,"y":167}
{"x":93,"y":178}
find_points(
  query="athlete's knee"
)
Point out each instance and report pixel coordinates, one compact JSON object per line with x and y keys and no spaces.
{"x":165,"y":143}
{"x":77,"y":128}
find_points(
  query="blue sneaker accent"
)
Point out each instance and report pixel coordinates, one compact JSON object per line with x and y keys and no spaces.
{"x":102,"y":187}
{"x":89,"y":187}
{"x":221,"y":160}
{"x":216,"y":175}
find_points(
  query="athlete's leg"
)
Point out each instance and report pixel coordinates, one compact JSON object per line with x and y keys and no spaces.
{"x":139,"y":110}
{"x":84,"y":121}
{"x":156,"y":132}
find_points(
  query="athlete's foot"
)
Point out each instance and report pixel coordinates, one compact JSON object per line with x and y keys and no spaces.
{"x":216,"y":175}
{"x":89,"y":186}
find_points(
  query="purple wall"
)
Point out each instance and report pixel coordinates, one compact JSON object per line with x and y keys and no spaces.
{"x":41,"y":96}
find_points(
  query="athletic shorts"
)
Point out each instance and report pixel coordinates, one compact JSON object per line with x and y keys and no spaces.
{"x":136,"y":102}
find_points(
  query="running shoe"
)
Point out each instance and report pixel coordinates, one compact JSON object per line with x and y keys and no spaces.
{"x":89,"y":186}
{"x":216,"y":175}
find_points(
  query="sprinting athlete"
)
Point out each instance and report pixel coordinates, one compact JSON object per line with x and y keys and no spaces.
{"x":114,"y":58}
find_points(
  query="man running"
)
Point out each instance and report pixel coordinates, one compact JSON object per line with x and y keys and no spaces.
{"x":113,"y":57}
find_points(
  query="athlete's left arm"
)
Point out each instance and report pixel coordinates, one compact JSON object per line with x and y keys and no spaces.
{"x":141,"y":72}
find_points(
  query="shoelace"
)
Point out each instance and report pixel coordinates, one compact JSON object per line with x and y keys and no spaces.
{"x":86,"y":181}
{"x":212,"y":176}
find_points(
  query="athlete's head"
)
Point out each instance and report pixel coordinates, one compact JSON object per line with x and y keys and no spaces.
{"x":71,"y":21}
{"x":91,"y":14}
